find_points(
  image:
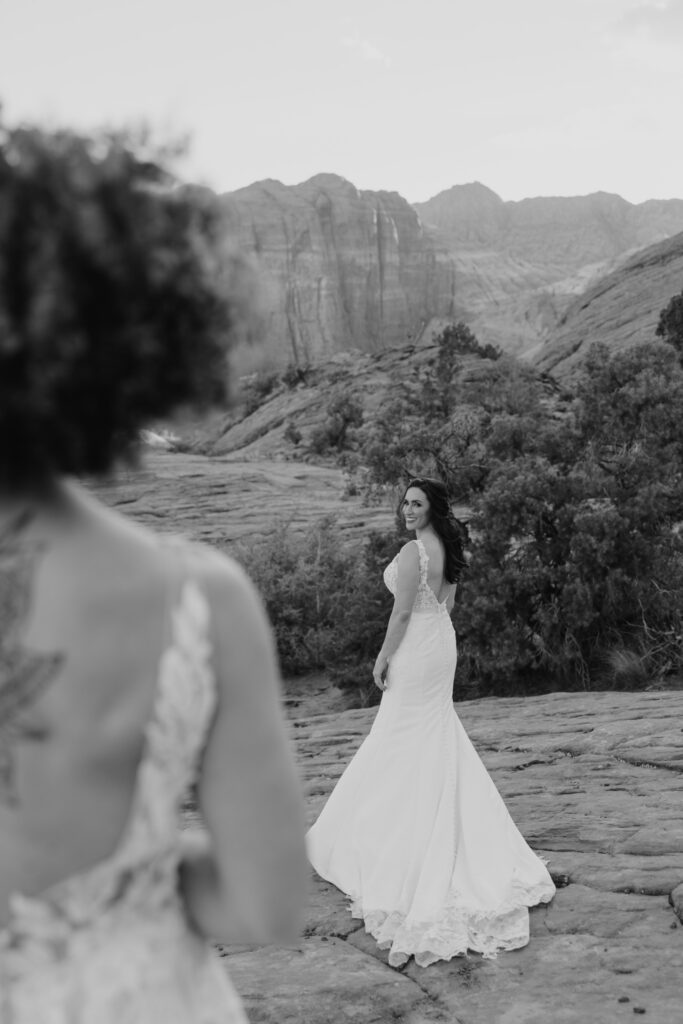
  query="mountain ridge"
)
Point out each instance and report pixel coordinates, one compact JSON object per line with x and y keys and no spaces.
{"x":345,"y":269}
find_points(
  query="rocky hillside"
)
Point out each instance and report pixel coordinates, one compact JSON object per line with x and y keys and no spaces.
{"x":340,"y":268}
{"x":283,"y":424}
{"x":263,"y":433}
{"x":343,"y":269}
{"x":620,"y":309}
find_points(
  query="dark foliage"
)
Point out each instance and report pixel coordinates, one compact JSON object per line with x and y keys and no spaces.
{"x":576,"y":571}
{"x":670,"y":326}
{"x":327,"y":603}
{"x":257,"y":388}
{"x":338,"y":431}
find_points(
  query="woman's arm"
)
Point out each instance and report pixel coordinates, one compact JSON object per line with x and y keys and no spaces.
{"x":406,"y":590}
{"x":246,"y":880}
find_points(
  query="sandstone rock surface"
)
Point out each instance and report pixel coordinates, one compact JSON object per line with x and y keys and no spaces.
{"x":222,"y":501}
{"x":595,"y":782}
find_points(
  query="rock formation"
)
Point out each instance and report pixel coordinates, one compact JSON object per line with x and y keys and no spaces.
{"x":519,"y":265}
{"x":554,"y":234}
{"x":620,"y":309}
{"x":341,"y":269}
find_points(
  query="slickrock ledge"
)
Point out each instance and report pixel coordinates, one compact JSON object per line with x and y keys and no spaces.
{"x":595,"y":783}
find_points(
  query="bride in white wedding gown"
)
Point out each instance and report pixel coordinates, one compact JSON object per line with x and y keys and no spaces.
{"x":415,"y":832}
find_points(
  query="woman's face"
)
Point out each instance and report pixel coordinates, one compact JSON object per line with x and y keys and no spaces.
{"x":415,"y":509}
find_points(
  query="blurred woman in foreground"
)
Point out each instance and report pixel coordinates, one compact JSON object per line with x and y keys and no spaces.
{"x":128,"y":663}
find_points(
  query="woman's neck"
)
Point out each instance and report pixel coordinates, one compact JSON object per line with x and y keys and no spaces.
{"x":26,"y":503}
{"x":425,"y":531}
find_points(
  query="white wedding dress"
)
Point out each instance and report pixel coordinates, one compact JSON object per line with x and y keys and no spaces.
{"x":112,"y":945}
{"x":415,"y":832}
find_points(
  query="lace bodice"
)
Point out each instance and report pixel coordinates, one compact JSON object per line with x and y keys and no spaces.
{"x":425,"y":599}
{"x":137,"y":883}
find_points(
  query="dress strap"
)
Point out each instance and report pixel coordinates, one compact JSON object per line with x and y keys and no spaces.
{"x":185,"y":694}
{"x":424,"y":559}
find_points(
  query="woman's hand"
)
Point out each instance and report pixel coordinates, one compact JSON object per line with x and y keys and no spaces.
{"x":379,"y":672}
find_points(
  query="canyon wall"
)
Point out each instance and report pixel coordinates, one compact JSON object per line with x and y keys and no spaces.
{"x":340,"y":269}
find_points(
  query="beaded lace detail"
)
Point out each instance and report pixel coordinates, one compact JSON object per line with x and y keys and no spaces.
{"x":458,"y":928}
{"x":111,"y":945}
{"x":425,"y":599}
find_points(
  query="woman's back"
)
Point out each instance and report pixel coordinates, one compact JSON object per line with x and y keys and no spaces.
{"x":127,"y":668}
{"x":117,"y":690}
{"x":436,"y":564}
{"x":83,"y":634}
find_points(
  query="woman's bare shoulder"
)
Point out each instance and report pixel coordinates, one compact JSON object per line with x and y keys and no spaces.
{"x":409,"y":551}
{"x":220,"y":574}
{"x":236,"y":608}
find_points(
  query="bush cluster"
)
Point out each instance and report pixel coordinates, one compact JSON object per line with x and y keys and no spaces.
{"x":326,"y":601}
{"x":576,"y":499}
{"x":576,"y":573}
{"x":338,"y":430}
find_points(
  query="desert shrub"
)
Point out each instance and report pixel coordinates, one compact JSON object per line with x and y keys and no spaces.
{"x":326,"y":601}
{"x":344,"y":416}
{"x":458,"y":338}
{"x":450,"y":424}
{"x":292,"y":433}
{"x":256,"y":388}
{"x":362,"y":623}
{"x":293,"y":375}
{"x":670,"y":325}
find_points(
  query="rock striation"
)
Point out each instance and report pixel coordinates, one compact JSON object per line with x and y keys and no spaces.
{"x":521,"y":264}
{"x":341,"y":269}
{"x":620,"y":309}
{"x":348,"y":270}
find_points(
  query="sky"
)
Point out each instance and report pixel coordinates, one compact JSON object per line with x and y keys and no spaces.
{"x":529,"y":97}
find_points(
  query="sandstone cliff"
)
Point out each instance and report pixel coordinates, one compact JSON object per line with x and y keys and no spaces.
{"x":519,"y":265}
{"x":620,"y":309}
{"x":341,"y":269}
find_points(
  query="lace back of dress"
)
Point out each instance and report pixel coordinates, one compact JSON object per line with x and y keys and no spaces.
{"x":140,"y":874}
{"x":425,"y":600}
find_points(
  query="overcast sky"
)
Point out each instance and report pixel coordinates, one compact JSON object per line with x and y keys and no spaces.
{"x":530,"y":97}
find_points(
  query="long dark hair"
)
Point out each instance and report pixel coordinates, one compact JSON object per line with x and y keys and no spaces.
{"x":441,"y":518}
